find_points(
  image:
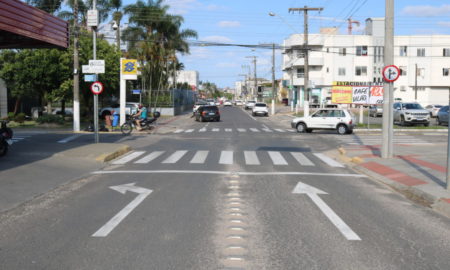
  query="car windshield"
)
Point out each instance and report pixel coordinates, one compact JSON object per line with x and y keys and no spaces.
{"x":260,"y":105}
{"x":438,"y":106}
{"x":210,"y":109}
{"x":412,"y":106}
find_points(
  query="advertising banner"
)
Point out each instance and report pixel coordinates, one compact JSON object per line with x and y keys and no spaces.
{"x":365,"y":93}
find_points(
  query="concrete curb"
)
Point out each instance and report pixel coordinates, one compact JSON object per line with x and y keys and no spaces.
{"x":410,"y":192}
{"x":105,"y":157}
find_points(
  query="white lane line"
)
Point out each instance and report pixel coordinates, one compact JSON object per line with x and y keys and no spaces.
{"x":128,"y":158}
{"x":251,"y":158}
{"x":226,"y":157}
{"x":150,"y":157}
{"x":302,"y":159}
{"x":242,"y":130}
{"x":280,"y":130}
{"x":178,"y":131}
{"x":228,"y":130}
{"x":174,"y":157}
{"x":200,"y":157}
{"x":70,"y":138}
{"x":189,"y":131}
{"x":277,"y":158}
{"x":228,"y":173}
{"x":202,"y":130}
{"x":216,"y":129}
{"x":267,"y":130}
{"x":331,"y":162}
{"x":291,"y":130}
{"x":254,"y":129}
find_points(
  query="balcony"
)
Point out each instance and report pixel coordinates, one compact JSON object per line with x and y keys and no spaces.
{"x":299,"y":62}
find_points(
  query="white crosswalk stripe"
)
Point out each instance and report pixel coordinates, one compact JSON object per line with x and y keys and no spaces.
{"x":202,"y":130}
{"x":128,"y":157}
{"x":251,"y":158}
{"x":189,"y":131}
{"x":267,"y":130}
{"x":227,"y":157}
{"x":216,"y":129}
{"x":302,"y":159}
{"x":175,"y":157}
{"x":242,"y":130}
{"x":150,"y":157}
{"x":254,"y":129}
{"x":178,"y":131}
{"x":277,"y":158}
{"x":377,"y":140}
{"x":280,"y":130}
{"x":228,"y":130}
{"x":200,"y":157}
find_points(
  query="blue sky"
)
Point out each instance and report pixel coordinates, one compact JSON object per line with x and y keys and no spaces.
{"x":248,"y":22}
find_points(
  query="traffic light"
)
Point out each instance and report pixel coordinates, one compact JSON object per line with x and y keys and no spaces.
{"x":259,"y":89}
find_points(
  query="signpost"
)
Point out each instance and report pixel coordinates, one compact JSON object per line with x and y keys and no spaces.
{"x":128,"y":71}
{"x":96,"y":89}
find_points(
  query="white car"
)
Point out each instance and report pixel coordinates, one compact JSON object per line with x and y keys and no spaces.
{"x":210,"y":101}
{"x":340,"y":120}
{"x":433,"y":109}
{"x":260,"y":109}
{"x":227,"y":103}
{"x":250,"y":104}
{"x":130,"y":108}
{"x":239,"y":103}
{"x":197,"y":105}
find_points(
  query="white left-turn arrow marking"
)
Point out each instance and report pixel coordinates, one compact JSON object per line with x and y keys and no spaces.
{"x":312,"y":193}
{"x":114,"y":221}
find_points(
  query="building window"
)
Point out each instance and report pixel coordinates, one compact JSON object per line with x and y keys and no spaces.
{"x":342,"y":51}
{"x":445,"y":72}
{"x":446,"y":52}
{"x":328,"y":70}
{"x":361,"y":50}
{"x":341,"y":71}
{"x":421,"y":52}
{"x":300,"y":54}
{"x":361,"y":71}
{"x":300,"y":72}
{"x":403,"y":88}
{"x":421,"y":72}
{"x":403,"y":50}
{"x":402,"y":70}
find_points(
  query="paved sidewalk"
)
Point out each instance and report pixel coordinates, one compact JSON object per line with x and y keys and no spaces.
{"x":418,"y":172}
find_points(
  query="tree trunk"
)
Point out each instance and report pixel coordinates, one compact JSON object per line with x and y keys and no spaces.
{"x":17,"y":105}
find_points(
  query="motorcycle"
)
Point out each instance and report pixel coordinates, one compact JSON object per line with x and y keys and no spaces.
{"x":130,"y":124}
{"x":6,"y":135}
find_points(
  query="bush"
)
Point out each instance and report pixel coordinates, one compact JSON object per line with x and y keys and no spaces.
{"x":19,"y":118}
{"x":11,"y":116}
{"x":51,"y":118}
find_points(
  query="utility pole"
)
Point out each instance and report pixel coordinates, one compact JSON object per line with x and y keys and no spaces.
{"x":94,"y":49}
{"x":415,"y":86}
{"x":306,"y":95}
{"x":388,"y":98}
{"x":76,"y":71}
{"x":254,"y":72}
{"x":274,"y":88}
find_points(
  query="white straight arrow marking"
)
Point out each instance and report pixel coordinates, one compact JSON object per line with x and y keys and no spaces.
{"x":114,"y":221}
{"x":312,"y":193}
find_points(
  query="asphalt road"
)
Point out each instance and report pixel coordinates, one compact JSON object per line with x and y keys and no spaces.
{"x":219,"y":195}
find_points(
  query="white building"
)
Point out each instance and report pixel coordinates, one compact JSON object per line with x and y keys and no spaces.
{"x":191,"y":77}
{"x":335,"y":57}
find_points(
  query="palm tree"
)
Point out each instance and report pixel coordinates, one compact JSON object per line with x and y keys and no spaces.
{"x":49,"y":6}
{"x":116,"y":6}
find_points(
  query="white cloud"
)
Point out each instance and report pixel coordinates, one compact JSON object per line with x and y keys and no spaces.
{"x":229,"y":24}
{"x":199,"y":53}
{"x":426,"y":11}
{"x":182,"y":6}
{"x":219,"y":39}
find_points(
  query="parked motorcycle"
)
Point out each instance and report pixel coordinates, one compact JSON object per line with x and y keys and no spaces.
{"x":6,"y":135}
{"x":147,"y":124}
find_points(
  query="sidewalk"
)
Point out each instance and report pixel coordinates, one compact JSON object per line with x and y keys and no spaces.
{"x":418,"y":172}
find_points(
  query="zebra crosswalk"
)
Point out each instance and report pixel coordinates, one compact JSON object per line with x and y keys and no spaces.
{"x":18,"y":138}
{"x":230,"y":130}
{"x":377,"y":140}
{"x":228,"y":157}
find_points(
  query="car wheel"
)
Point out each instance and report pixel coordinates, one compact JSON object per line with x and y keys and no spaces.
{"x":426,"y":124}
{"x":342,"y":129}
{"x":301,"y":128}
{"x":254,"y":114}
{"x":439,"y":123}
{"x":202,"y":119}
{"x":402,"y":121}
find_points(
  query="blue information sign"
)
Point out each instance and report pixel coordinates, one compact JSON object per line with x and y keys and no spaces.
{"x":136,"y":91}
{"x":90,"y":77}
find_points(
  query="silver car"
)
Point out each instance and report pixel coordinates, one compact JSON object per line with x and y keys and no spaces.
{"x":433,"y":109}
{"x":376,"y":111}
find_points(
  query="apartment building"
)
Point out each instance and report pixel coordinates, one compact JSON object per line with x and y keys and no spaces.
{"x":359,"y":58}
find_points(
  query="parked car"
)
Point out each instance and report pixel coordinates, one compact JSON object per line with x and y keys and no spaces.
{"x":227,"y":103}
{"x":130,"y":108}
{"x":442,"y":116}
{"x":68,"y":111}
{"x":433,"y":109}
{"x":260,"y":109}
{"x":250,"y":104}
{"x":410,"y":113}
{"x":376,"y":110}
{"x":197,"y":105}
{"x":207,"y":113}
{"x":340,"y":120}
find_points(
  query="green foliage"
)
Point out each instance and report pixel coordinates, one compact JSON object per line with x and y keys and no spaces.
{"x":51,"y":118}
{"x":11,"y":116}
{"x":19,"y":118}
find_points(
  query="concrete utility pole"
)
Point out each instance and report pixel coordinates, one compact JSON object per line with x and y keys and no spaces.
{"x":388,"y":98}
{"x":255,"y":81}
{"x":415,"y":86}
{"x":94,"y":49}
{"x":76,"y":71}
{"x":274,"y":88}
{"x":306,"y":94}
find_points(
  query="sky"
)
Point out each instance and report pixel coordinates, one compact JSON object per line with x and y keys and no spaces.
{"x":248,"y":22}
